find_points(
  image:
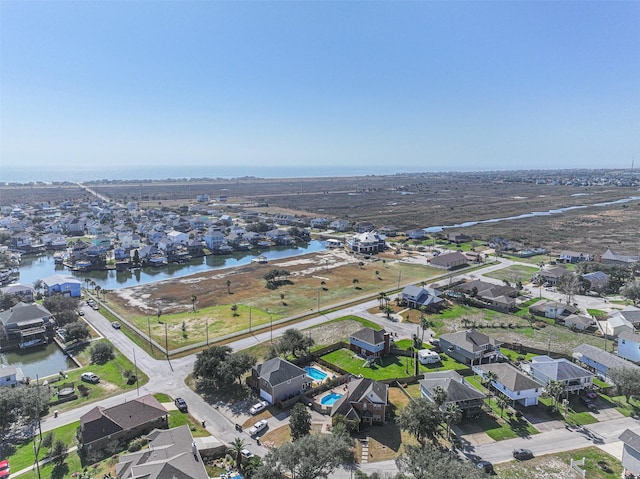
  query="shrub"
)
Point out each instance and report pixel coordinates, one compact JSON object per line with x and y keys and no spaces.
{"x":137,"y":444}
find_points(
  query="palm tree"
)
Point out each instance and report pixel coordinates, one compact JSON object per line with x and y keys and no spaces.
{"x":555,"y":389}
{"x":194,"y":298}
{"x":228,"y":286}
{"x":236,"y":448}
{"x":424,"y":324}
{"x":439,"y":395}
{"x":452,"y":415}
{"x":382,"y":297}
{"x":38,"y":284}
{"x":489,"y":377}
{"x":87,"y":280}
{"x":502,"y":403}
{"x":98,"y":288}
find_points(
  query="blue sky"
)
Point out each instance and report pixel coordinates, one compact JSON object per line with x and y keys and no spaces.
{"x":329,"y":87}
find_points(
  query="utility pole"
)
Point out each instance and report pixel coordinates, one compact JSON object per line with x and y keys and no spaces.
{"x":135,"y":365}
{"x":249,"y":318}
{"x":206,"y":328}
{"x":149,"y":327}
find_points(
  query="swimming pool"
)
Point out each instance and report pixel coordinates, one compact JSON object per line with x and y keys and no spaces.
{"x":315,"y":374}
{"x":329,"y":399}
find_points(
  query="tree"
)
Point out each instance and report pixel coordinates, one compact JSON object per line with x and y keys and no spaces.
{"x":626,"y":380}
{"x":98,"y":289}
{"x":315,"y":456}
{"x":420,"y":418}
{"x":439,"y":396}
{"x":58,"y":452}
{"x":569,"y":284}
{"x":502,"y":403}
{"x":77,"y":331}
{"x":424,"y":325}
{"x":235,"y":448}
{"x":228,"y":286}
{"x":136,"y":258}
{"x":355,"y":282}
{"x":452,"y":416}
{"x":217,"y":367}
{"x":38,"y":284}
{"x":383,"y":299}
{"x":194,"y":298}
{"x":431,"y":463}
{"x":101,"y":353}
{"x":63,"y":308}
{"x":388,"y":310}
{"x":631,"y":291}
{"x":300,"y":421}
{"x":555,"y":389}
{"x":234,"y":309}
{"x":295,"y":342}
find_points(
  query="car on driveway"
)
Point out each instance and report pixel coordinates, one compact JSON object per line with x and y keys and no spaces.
{"x":258,"y":427}
{"x":258,"y":407}
{"x":246,"y":453}
{"x":587,"y":402}
{"x":181,"y":404}
{"x":522,"y":454}
{"x":90,"y":378}
{"x":590,"y":394}
{"x":485,"y":466}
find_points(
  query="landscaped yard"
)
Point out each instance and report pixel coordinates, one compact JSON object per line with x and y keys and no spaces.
{"x":388,"y":367}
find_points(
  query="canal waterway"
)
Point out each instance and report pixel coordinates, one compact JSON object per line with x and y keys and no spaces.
{"x":33,"y":268}
{"x":41,"y":361}
{"x":437,"y":229}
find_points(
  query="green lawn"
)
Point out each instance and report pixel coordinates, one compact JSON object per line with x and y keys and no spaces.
{"x":514,"y":273}
{"x":24,"y":455}
{"x":388,"y":367}
{"x":177,"y":418}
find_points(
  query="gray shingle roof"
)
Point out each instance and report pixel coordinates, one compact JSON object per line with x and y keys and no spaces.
{"x":370,"y":336}
{"x":457,"y":390}
{"x":277,"y":371}
{"x":24,"y":313}
{"x":560,"y":369}
{"x":631,"y":439}
{"x":610,"y":361}
{"x":469,"y":340}
{"x":510,"y":377}
{"x":357,"y":391}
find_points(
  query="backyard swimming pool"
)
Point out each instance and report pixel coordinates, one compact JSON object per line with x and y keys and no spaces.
{"x":329,"y":399}
{"x":315,"y":374}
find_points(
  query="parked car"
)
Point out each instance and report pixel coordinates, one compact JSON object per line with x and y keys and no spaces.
{"x":181,"y":404}
{"x":116,"y":325}
{"x":587,"y":402}
{"x":485,"y":466}
{"x":590,"y":394}
{"x":261,"y":425}
{"x":259,"y":406}
{"x":522,"y":454}
{"x":90,"y":378}
{"x":246,"y":453}
{"x":80,"y":312}
{"x":4,"y":469}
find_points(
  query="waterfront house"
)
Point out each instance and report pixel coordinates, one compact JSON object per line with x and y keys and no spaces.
{"x":66,"y":285}
{"x":277,"y":380}
{"x":470,"y":347}
{"x":22,"y":291}
{"x":573,"y":377}
{"x":457,"y":390}
{"x":368,"y":342}
{"x":367,"y":243}
{"x":513,"y":383}
{"x":364,"y":402}
{"x":10,"y":376}
{"x":214,"y":239}
{"x":171,"y":453}
{"x":26,"y":325}
{"x":103,"y":431}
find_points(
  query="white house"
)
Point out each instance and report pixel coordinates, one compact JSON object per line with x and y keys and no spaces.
{"x":10,"y":376}
{"x":630,"y":453}
{"x":369,"y":242}
{"x":617,"y":324}
{"x":629,"y":346}
{"x":514,"y":384}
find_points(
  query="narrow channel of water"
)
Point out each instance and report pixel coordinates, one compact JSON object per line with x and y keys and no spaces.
{"x":437,"y":229}
{"x":42,"y":361}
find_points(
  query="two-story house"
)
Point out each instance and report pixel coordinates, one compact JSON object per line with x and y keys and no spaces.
{"x":370,"y":343}
{"x":457,"y":391}
{"x":470,"y":347}
{"x":277,"y":379}
{"x":417,"y":297}
{"x":573,"y":377}
{"x":365,"y":402}
{"x":629,"y":346}
{"x":513,"y":383}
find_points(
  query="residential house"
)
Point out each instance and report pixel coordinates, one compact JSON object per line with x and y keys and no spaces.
{"x":551,"y":276}
{"x":214,"y":239}
{"x":23,"y":291}
{"x":367,"y":243}
{"x":496,"y":296}
{"x":579,"y":323}
{"x":388,"y":230}
{"x":630,"y":454}
{"x":10,"y":376}
{"x":171,"y":453}
{"x":630,"y":314}
{"x":449,"y":260}
{"x":66,"y":285}
{"x":629,"y":346}
{"x":319,"y":223}
{"x":513,"y":383}
{"x":574,"y":256}
{"x":616,"y":324}
{"x":573,"y":377}
{"x":552,"y":309}
{"x":458,"y":238}
{"x":417,"y":297}
{"x":340,"y":225}
{"x":277,"y":379}
{"x":177,"y":237}
{"x":26,"y":324}
{"x":370,"y":343}
{"x":364,"y":227}
{"x":416,"y":234}
{"x":470,"y":347}
{"x":598,"y":280}
{"x":610,"y":257}
{"x":104,"y":431}
{"x":364,"y":402}
{"x":601,"y":362}
{"x":457,"y":390}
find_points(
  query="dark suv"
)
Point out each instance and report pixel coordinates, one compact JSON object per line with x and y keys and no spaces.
{"x":181,"y":404}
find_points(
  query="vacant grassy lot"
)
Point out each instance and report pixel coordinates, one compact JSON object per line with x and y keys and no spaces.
{"x":514,"y":273}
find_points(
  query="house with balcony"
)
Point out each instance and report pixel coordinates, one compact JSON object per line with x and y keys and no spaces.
{"x":340,"y":225}
{"x":574,"y":256}
{"x":512,"y":382}
{"x":26,"y":325}
{"x":24,"y":292}
{"x":470,"y":347}
{"x":277,"y":380}
{"x":457,"y":390}
{"x":573,"y":377}
{"x":364,"y":402}
{"x":367,"y":243}
{"x":600,"y":361}
{"x":65,"y":285}
{"x":370,"y":343}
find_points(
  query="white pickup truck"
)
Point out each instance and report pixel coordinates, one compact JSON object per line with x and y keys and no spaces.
{"x":258,"y":427}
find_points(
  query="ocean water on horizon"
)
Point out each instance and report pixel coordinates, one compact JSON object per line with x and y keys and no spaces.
{"x":13,"y":174}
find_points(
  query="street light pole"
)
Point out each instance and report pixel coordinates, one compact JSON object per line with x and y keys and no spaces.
{"x":249,"y":318}
{"x":149,"y":327}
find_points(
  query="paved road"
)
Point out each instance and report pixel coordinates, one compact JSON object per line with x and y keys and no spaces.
{"x":168,"y":377}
